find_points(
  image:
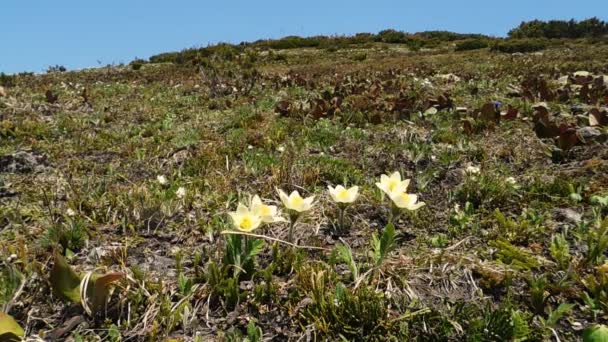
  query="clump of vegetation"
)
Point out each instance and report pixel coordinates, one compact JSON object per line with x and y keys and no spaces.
{"x":519,"y":45}
{"x":592,"y":27}
{"x":137,"y":63}
{"x":472,"y":44}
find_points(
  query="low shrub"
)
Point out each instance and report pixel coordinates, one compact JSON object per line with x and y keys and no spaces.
{"x":472,"y":44}
{"x":519,"y":45}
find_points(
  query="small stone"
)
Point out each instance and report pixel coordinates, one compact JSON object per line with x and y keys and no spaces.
{"x":2,"y":92}
{"x":577,"y":326}
{"x":431,"y":111}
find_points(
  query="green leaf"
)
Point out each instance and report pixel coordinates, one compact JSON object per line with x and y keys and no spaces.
{"x":387,"y":241}
{"x":376,"y":248}
{"x":254,"y":248}
{"x":596,"y":333}
{"x":345,"y":255}
{"x":521,"y":330}
{"x":64,"y":281}
{"x":10,"y":330}
{"x":384,"y":245}
{"x":556,"y":315}
{"x":254,"y":333}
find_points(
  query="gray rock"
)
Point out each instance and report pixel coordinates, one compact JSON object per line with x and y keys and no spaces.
{"x":567,"y":215}
{"x":589,"y":133}
{"x":23,"y":162}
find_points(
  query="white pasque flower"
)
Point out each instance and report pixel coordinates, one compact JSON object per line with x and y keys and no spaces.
{"x":473,"y":169}
{"x":406,"y":201}
{"x":161,"y":179}
{"x":181,"y":192}
{"x":295,"y":202}
{"x":393,"y":183}
{"x":245,"y":219}
{"x":268,"y":213}
{"x":342,"y":195}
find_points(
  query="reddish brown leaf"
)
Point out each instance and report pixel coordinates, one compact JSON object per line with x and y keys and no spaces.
{"x":543,"y":126}
{"x":283,"y":108}
{"x":101,"y":288}
{"x":584,"y":94}
{"x":489,"y":113}
{"x":468,"y":125}
{"x":567,"y":138}
{"x":319,"y":108}
{"x":598,"y":118}
{"x":511,"y":113}
{"x":51,"y":97}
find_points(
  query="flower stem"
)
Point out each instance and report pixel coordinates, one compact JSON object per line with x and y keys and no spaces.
{"x":341,"y":219}
{"x":395,"y":212}
{"x":293,"y":217}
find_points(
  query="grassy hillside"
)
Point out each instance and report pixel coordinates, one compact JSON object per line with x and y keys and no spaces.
{"x":132,"y":171}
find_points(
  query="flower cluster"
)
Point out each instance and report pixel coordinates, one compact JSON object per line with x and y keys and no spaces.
{"x":246,"y":218}
{"x":396,"y":189}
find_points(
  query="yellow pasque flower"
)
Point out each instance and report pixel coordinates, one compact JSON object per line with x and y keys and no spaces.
{"x":393,"y":184}
{"x":342,"y":195}
{"x":268,"y":213}
{"x":244,"y":219}
{"x":295,"y":202}
{"x":406,"y":201}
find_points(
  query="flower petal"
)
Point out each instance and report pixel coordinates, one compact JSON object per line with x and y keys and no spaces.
{"x":283,"y":196}
{"x":353,"y":193}
{"x":256,"y":200}
{"x":417,"y":206}
{"x":396,"y":176}
{"x":242,"y":209}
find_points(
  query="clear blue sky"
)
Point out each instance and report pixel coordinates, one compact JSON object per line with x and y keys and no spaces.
{"x":78,"y":33}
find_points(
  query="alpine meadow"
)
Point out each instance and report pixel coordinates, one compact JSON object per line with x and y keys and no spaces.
{"x":390,"y":186}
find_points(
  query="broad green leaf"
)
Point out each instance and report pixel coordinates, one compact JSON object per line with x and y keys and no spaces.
{"x":64,"y":281}
{"x":99,"y":289}
{"x":384,"y":245}
{"x":10,"y":330}
{"x":596,"y":333}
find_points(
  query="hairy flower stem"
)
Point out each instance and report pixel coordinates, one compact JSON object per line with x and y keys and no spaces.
{"x":341,"y":217}
{"x":293,"y":218}
{"x":394,"y":214}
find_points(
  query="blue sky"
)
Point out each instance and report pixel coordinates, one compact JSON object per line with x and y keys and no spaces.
{"x":37,"y":33}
